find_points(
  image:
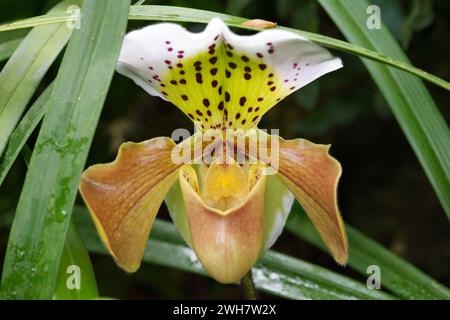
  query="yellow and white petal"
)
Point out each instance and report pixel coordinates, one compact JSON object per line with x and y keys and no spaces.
{"x":227,"y":243}
{"x":124,"y":196}
{"x":220,"y":79}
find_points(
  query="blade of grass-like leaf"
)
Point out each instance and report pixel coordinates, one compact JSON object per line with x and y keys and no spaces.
{"x":23,"y":131}
{"x":26,"y":154}
{"x":76,"y":279}
{"x":8,"y":47}
{"x":25,"y":69}
{"x":397,"y":275}
{"x":412,"y":105}
{"x":43,"y":213}
{"x":42,"y":20}
{"x":179,"y":14}
{"x":9,"y":41}
{"x":275,"y":273}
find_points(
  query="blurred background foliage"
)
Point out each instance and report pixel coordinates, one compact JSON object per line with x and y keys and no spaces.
{"x":383,"y":191}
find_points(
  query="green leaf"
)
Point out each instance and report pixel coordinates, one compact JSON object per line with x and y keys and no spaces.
{"x":23,"y":131}
{"x":75,"y":266}
{"x":275,"y":273}
{"x":179,"y":14}
{"x":412,"y":105}
{"x":25,"y":69}
{"x":9,"y":41}
{"x":26,"y":154}
{"x":397,"y":275}
{"x":76,"y":279}
{"x":43,"y":213}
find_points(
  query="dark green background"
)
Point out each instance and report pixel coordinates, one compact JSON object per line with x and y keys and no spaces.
{"x":383,"y":190}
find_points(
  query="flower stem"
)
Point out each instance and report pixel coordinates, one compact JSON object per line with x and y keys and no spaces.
{"x":247,"y":287}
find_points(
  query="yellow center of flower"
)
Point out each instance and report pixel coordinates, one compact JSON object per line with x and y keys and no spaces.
{"x":223,"y":185}
{"x":225,"y":181}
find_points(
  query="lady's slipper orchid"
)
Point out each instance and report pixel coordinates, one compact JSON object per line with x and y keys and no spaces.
{"x":229,"y":212}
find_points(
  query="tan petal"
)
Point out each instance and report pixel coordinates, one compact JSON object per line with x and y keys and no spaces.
{"x":312,"y":176}
{"x":229,"y":242}
{"x":124,"y":196}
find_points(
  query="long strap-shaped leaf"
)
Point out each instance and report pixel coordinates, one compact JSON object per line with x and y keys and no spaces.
{"x":397,"y":275}
{"x":179,"y":14}
{"x":76,"y":279}
{"x":9,"y":41}
{"x":23,"y":131}
{"x":43,"y":214}
{"x":26,"y":68}
{"x":412,"y":105}
{"x":275,"y":273}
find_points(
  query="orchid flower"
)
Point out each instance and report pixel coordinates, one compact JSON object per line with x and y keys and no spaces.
{"x":229,"y":212}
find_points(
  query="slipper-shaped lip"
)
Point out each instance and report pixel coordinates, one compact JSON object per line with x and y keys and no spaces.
{"x":227,"y":243}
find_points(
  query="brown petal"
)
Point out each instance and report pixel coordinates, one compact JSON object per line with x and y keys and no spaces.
{"x":124,"y":196}
{"x":227,"y":243}
{"x":312,"y":176}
